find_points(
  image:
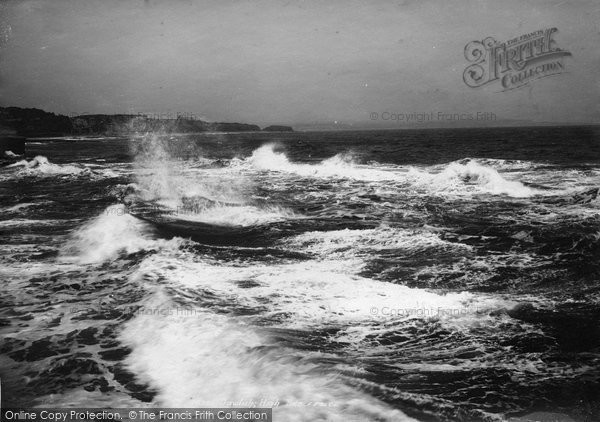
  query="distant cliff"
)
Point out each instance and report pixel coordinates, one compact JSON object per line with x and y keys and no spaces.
{"x":33,"y":122}
{"x":125,"y":124}
{"x":278,"y":128}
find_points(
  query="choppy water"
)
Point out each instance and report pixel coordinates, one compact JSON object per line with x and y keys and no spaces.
{"x":353,"y":276}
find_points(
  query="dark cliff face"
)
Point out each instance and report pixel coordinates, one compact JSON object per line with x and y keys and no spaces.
{"x":33,"y":122}
{"x":278,"y":128}
{"x":122,"y":124}
{"x":125,"y":124}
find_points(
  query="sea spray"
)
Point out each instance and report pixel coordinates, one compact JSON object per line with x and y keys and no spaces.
{"x":112,"y":233}
{"x":199,"y":195}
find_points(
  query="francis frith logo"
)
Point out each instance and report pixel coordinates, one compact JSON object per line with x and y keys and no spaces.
{"x":516,"y":62}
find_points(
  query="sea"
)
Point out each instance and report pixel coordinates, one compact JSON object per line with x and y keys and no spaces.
{"x":401,"y":275}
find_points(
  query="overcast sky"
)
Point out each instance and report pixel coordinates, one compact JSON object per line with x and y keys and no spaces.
{"x":287,"y":61}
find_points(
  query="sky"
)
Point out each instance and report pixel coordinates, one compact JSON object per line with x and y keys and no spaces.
{"x":289,"y":62}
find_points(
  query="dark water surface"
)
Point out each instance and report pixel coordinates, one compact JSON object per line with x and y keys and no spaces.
{"x":348,"y":276}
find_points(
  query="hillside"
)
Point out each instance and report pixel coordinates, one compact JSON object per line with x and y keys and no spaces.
{"x":33,"y":122}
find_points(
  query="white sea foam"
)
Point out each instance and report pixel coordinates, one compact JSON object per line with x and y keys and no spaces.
{"x":107,"y":236}
{"x":222,"y":197}
{"x":315,"y":292}
{"x":160,"y":176}
{"x":223,"y":215}
{"x":194,"y":356}
{"x":40,"y":165}
{"x":352,"y":242}
{"x":11,"y":154}
{"x":468,"y":178}
{"x":25,"y":222}
{"x":23,"y":205}
{"x":208,"y":360}
{"x":460,"y":177}
{"x":497,"y":163}
{"x":339,"y":166}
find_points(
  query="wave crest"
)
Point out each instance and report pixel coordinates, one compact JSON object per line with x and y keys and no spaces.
{"x":41,"y":165}
{"x":109,"y":235}
{"x":341,"y":165}
{"x":466,"y":176}
{"x":469,"y":177}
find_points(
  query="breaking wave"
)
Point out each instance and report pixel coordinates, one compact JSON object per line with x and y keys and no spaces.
{"x":460,"y":177}
{"x":472,"y":177}
{"x":170,"y":354}
{"x":193,"y":195}
{"x":339,"y":166}
{"x":41,"y":166}
{"x":311,"y":293}
{"x":250,"y":366}
{"x":110,"y":235}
